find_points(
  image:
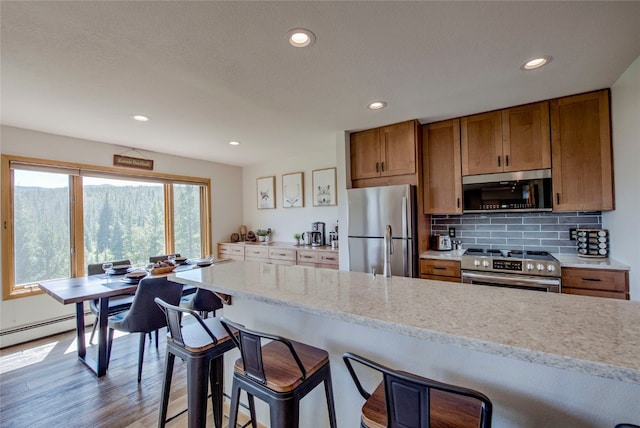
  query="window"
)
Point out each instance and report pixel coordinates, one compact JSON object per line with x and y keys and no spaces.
{"x":59,"y":217}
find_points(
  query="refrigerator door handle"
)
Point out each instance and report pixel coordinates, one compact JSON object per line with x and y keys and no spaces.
{"x":405,"y":241}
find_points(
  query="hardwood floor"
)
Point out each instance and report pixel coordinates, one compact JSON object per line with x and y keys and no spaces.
{"x":43,"y":384}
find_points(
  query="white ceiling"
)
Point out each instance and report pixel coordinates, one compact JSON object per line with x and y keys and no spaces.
{"x":211,"y":72}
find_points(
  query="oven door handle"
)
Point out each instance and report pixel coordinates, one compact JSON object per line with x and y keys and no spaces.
{"x":509,"y":281}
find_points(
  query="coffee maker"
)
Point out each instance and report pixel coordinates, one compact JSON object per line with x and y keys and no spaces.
{"x":318,"y":239}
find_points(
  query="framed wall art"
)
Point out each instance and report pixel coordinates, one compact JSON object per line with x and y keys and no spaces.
{"x":293,"y":190}
{"x":266,"y":192}
{"x":324,"y":187}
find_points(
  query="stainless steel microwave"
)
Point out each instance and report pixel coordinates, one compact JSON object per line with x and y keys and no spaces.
{"x":508,"y":192}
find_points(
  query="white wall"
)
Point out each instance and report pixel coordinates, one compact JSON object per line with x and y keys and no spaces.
{"x":286,"y":221}
{"x":226,"y":208}
{"x":624,"y":222}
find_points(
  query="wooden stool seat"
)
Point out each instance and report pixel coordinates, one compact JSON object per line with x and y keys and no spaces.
{"x":447,"y":410}
{"x":196,"y":338}
{"x":406,"y":400}
{"x":280,"y":369}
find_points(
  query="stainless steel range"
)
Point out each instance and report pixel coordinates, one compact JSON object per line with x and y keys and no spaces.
{"x":530,"y":270}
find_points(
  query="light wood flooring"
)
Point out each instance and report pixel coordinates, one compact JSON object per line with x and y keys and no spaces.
{"x":43,"y":384}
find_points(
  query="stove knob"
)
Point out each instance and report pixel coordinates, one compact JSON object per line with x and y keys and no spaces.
{"x":540,"y":266}
{"x":476,"y":262}
{"x":529,"y":266}
{"x":550,"y":268}
{"x":485,"y":263}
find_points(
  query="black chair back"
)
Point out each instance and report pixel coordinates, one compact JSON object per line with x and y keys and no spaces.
{"x":154,"y":259}
{"x":96,"y":268}
{"x":145,"y":315}
{"x":174,"y":321}
{"x":408,"y":397}
{"x":250,"y":346}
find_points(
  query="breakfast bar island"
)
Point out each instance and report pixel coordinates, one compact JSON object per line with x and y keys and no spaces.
{"x":544,"y":359}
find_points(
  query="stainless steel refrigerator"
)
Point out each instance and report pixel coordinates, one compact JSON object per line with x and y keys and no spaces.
{"x":371,"y":209}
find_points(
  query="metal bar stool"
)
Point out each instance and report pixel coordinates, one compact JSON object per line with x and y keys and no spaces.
{"x":280,"y":373}
{"x":202,"y":345}
{"x":405,"y":400}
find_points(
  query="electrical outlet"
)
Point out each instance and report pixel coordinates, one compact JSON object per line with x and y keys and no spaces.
{"x":572,"y":234}
{"x":452,"y":232}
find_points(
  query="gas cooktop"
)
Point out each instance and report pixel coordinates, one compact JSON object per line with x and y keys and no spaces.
{"x":514,"y":254}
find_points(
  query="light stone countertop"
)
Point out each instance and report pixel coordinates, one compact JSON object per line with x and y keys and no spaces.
{"x":276,"y":244}
{"x":572,"y":260}
{"x":600,"y":337}
{"x":442,"y":255}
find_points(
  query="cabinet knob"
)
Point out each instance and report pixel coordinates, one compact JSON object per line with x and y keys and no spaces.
{"x":499,"y":164}
{"x":506,"y":160}
{"x":558,"y":198}
{"x":382,"y":166}
{"x":377,"y":166}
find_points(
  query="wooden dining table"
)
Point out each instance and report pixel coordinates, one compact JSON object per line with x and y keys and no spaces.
{"x":101,"y":287}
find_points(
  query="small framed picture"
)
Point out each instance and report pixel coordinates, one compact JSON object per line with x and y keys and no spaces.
{"x":293,"y":190}
{"x":324,"y":187}
{"x":266,"y":187}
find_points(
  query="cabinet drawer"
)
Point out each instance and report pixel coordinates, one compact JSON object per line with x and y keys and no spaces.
{"x":595,"y":279}
{"x":282,"y":254}
{"x":329,"y":258}
{"x":440,"y":278}
{"x":231,"y":249}
{"x":307,"y":256}
{"x":450,"y":268}
{"x":256,"y":252}
{"x":595,"y":293}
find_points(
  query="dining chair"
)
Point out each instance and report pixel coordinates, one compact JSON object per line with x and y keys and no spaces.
{"x":201,"y":345}
{"x":162,"y":257}
{"x":203,"y":301}
{"x":406,"y":400}
{"x":145,"y":316}
{"x":116,"y":304}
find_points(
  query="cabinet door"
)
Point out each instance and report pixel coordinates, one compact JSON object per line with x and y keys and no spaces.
{"x":442,"y":176}
{"x":581,"y":146}
{"x":365,"y":154}
{"x":526,"y":143}
{"x":481,"y":141}
{"x":398,"y":146}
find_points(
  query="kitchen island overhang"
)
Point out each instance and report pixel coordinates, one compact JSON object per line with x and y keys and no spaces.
{"x":517,"y":337}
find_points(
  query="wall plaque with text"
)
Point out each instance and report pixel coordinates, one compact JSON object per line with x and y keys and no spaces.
{"x":129,"y":162}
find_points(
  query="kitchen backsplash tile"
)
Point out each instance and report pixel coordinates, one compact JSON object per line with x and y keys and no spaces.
{"x":546,"y":231}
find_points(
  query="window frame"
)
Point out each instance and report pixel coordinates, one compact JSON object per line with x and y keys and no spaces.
{"x":76,"y":239}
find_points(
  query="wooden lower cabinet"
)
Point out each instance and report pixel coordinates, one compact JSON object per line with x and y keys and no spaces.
{"x":231,"y":251}
{"x":315,"y":258}
{"x":440,"y":270}
{"x":609,"y":283}
{"x":281,"y":255}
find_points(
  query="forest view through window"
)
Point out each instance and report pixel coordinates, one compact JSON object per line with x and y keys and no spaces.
{"x":122,"y":220}
{"x":61,"y":217}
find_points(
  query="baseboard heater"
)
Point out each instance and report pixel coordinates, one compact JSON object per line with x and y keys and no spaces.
{"x":40,"y":324}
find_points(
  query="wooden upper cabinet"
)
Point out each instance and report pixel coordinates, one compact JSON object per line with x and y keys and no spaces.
{"x":398,"y":148}
{"x":365,"y":154}
{"x":442,"y":180}
{"x":582,"y":170}
{"x":526,"y":141}
{"x":384,"y":152}
{"x":514,"y":139}
{"x":481,"y":140}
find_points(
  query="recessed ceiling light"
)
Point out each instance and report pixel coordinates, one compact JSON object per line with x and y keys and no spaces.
{"x":301,"y":38}
{"x":377,"y":105}
{"x":234,"y":143}
{"x":534,"y":63}
{"x":140,"y":118}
